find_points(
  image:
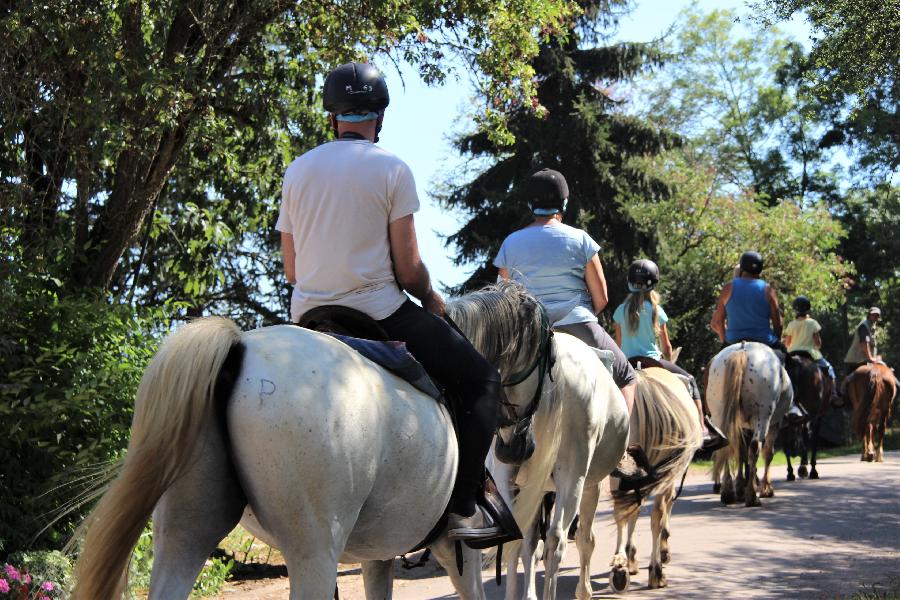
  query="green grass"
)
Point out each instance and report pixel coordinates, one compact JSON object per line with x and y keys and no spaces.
{"x":891,"y":442}
{"x":880,"y":591}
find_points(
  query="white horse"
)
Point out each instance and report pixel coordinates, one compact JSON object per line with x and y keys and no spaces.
{"x":316,"y":450}
{"x":664,"y":422}
{"x":580,"y":429}
{"x":748,"y":394}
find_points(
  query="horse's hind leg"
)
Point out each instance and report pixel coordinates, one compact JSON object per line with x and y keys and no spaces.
{"x":766,"y":490}
{"x":879,"y":444}
{"x":814,"y":447}
{"x":192,"y":517}
{"x":751,"y":498}
{"x":802,"y":471}
{"x":790,"y":468}
{"x":657,"y":577}
{"x":378,"y":578}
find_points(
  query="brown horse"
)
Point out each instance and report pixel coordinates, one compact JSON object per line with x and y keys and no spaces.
{"x":812,"y":389}
{"x":871,"y":388}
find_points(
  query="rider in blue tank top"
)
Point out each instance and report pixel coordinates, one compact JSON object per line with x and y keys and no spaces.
{"x":748,"y":312}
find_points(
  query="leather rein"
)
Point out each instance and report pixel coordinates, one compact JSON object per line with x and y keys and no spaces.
{"x":543,"y":363}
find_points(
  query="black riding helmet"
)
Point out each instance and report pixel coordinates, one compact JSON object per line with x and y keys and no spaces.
{"x":548,"y":192}
{"x":643,"y":275}
{"x":751,"y":262}
{"x":802,"y":305}
{"x":355,"y":88}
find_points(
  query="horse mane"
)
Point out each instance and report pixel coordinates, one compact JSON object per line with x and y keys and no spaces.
{"x":497,"y":319}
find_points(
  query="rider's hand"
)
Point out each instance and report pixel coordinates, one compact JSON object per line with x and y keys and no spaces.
{"x":433,"y":303}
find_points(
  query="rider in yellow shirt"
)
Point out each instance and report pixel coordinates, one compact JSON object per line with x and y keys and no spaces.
{"x":803,"y":334}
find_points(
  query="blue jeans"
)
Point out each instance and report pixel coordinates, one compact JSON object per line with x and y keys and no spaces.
{"x":823,"y":362}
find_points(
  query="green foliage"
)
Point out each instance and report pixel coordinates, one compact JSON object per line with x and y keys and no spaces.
{"x":582,"y":134}
{"x":744,"y":103}
{"x":700,"y":234}
{"x":215,"y":573}
{"x":70,"y":368}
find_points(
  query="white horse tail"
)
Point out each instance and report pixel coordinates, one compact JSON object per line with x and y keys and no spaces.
{"x":173,"y":405}
{"x":669,"y":432}
{"x":735,"y":367}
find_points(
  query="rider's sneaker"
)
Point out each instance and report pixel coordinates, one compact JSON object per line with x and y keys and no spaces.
{"x":475,"y":527}
{"x":796,"y":414}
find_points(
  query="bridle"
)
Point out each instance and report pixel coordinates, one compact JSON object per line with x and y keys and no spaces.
{"x":543,"y":363}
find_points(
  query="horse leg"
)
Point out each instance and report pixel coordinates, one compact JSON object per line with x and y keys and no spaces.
{"x":378,"y":578}
{"x":193,"y":515}
{"x":468,"y":585}
{"x":766,"y":489}
{"x":569,"y":486}
{"x":879,"y":444}
{"x":814,"y":447}
{"x":528,"y":554}
{"x":869,"y":441}
{"x":584,"y":538}
{"x":743,"y":469}
{"x":751,"y":498}
{"x":657,"y":577}
{"x":619,"y":576}
{"x":728,"y":495}
{"x":790,"y":469}
{"x":802,"y":471}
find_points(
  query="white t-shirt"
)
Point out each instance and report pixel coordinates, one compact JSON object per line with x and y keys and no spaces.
{"x":337,"y":201}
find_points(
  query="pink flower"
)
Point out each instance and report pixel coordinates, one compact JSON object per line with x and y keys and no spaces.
{"x":26,"y":579}
{"x":11,"y":572}
{"x":47,"y":586}
{"x":44,"y":598}
{"x":4,"y":586}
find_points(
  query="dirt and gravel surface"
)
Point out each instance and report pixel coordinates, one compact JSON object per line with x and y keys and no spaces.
{"x":830,"y":538}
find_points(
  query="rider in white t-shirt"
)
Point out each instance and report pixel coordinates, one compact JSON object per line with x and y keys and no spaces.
{"x":348,"y":239}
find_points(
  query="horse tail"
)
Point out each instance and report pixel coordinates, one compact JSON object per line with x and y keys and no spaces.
{"x":173,"y":405}
{"x":669,"y":432}
{"x":735,"y":367}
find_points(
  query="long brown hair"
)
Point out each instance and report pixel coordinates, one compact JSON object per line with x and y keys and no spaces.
{"x":635,"y":303}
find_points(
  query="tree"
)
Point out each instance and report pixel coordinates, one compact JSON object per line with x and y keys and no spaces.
{"x":582,"y":133}
{"x":744,"y":103}
{"x":109,"y":112}
{"x":701,"y":232}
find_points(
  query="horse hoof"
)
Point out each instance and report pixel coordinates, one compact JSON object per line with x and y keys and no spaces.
{"x":727,"y":498}
{"x":619,"y":579}
{"x":657,"y":578}
{"x":751,"y":502}
{"x":791,"y":477}
{"x":717,"y":487}
{"x":802,"y":472}
{"x":813,"y":474}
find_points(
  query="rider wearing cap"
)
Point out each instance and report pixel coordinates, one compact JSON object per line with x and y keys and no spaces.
{"x":745,"y":309}
{"x":803,"y":334}
{"x":559,"y":264}
{"x":640,"y":322}
{"x":348,"y":239}
{"x":864,"y":348}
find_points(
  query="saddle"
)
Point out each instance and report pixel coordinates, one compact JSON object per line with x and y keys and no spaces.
{"x":644,"y":362}
{"x":362,"y":333}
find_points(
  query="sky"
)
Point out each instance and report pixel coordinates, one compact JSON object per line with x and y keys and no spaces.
{"x":420,"y":121}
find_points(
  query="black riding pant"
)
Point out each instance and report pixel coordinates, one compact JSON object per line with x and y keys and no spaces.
{"x":473,"y":387}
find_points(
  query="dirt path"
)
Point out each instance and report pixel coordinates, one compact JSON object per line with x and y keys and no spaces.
{"x":816,"y":539}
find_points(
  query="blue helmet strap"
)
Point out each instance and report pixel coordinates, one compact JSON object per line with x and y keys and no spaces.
{"x":549,"y":212}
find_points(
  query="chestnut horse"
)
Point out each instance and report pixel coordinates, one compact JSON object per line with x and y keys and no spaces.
{"x":872,"y":389}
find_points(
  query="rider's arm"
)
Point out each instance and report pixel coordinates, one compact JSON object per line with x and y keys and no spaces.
{"x":503,"y":272}
{"x":817,"y":340}
{"x":717,"y":323}
{"x":665,"y":342}
{"x":289,"y":257}
{"x":862,"y":336}
{"x":774,"y":310}
{"x":596,"y":284}
{"x":412,"y":275}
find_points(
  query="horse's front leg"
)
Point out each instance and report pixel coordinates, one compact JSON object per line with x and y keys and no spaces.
{"x":378,"y":578}
{"x":659,"y":534}
{"x":790,"y":468}
{"x":468,"y":584}
{"x":528,"y":553}
{"x":569,"y":489}
{"x":766,"y":489}
{"x":584,"y":538}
